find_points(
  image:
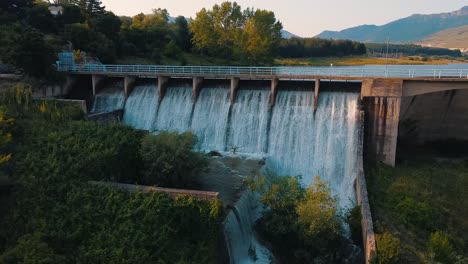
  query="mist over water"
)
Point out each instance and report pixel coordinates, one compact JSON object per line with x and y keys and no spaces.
{"x":293,"y":139}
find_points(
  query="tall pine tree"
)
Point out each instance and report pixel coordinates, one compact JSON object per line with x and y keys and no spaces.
{"x":91,"y":8}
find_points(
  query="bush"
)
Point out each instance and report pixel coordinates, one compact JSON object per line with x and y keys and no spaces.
{"x":353,"y":219}
{"x":440,"y":248}
{"x":413,"y":212}
{"x":169,"y":159}
{"x":388,"y":248}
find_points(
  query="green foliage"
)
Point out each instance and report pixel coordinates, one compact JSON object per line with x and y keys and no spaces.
{"x":71,"y":14}
{"x":107,"y":24}
{"x":26,"y":49}
{"x":172,"y":50}
{"x":169,"y":159}
{"x":5,"y":137}
{"x":316,"y":47}
{"x":58,"y":217}
{"x":302,"y":224}
{"x":411,"y":50}
{"x":40,"y":17}
{"x":422,"y":196}
{"x":440,"y":248}
{"x":31,"y":249}
{"x":388,"y":248}
{"x":353,"y":219}
{"x":228,"y":31}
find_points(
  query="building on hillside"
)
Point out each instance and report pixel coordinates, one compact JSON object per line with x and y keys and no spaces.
{"x":56,"y":10}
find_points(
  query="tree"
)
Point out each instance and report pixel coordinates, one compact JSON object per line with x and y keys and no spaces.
{"x":71,"y":14}
{"x":107,"y":24}
{"x":318,"y":211}
{"x":204,"y":35}
{"x":169,"y":159}
{"x":40,"y":17}
{"x":262,"y":35}
{"x":182,"y":34}
{"x":25,"y":48}
{"x":91,"y":8}
{"x":15,"y":7}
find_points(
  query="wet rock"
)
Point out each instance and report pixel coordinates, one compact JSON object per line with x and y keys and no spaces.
{"x":214,"y":153}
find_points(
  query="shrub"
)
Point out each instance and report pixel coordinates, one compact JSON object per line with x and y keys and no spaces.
{"x":440,"y":247}
{"x":169,"y":159}
{"x":353,"y":219}
{"x":388,"y":248}
{"x":413,"y":212}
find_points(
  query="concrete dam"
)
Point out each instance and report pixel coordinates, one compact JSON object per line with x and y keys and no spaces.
{"x":302,"y":124}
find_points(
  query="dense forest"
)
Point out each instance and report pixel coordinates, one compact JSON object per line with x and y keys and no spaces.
{"x":410,"y":50}
{"x":316,"y":47}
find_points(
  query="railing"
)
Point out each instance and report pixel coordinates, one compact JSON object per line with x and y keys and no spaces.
{"x":266,"y":71}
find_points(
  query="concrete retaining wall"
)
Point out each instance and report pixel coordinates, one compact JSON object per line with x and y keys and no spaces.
{"x":172,"y":193}
{"x":368,"y":236}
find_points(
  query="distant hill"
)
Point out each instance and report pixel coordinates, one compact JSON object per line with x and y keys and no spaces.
{"x":409,"y":29}
{"x":287,"y":35}
{"x":454,"y":38}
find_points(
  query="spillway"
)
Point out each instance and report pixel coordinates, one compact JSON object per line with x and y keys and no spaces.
{"x":293,"y":139}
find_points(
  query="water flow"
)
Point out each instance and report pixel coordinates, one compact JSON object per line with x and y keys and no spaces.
{"x":141,"y":107}
{"x":110,"y":98}
{"x":242,"y":244}
{"x":210,"y":118}
{"x":175,"y":110}
{"x":324,"y":143}
{"x":249,"y":121}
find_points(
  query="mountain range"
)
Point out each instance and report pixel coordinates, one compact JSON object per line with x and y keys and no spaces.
{"x":406,"y":30}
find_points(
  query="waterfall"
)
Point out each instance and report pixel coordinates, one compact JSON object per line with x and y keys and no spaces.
{"x":249,"y":121}
{"x":293,"y":139}
{"x":175,"y":110}
{"x":141,"y":107}
{"x":242,"y":244}
{"x":110,"y":98}
{"x":210,"y":118}
{"x":324,"y":143}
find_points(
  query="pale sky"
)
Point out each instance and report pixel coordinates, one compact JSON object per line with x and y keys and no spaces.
{"x":306,"y":18}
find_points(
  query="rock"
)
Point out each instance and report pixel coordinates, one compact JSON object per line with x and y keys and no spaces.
{"x":214,"y":153}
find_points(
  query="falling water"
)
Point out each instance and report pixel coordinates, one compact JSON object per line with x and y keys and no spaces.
{"x":210,"y":118}
{"x":141,"y":107}
{"x":249,"y":121}
{"x":323,"y":144}
{"x":239,"y":232}
{"x":110,"y":98}
{"x":294,"y":139}
{"x":175,"y":110}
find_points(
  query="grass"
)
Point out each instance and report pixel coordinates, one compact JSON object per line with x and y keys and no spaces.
{"x":419,"y":197}
{"x":190,"y":59}
{"x":365,"y":60}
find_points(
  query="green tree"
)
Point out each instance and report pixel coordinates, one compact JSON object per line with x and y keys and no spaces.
{"x":25,"y":48}
{"x":204,"y":35}
{"x":91,"y":8}
{"x":71,"y":14}
{"x":5,"y":137}
{"x":40,"y":17}
{"x":182,"y":33}
{"x":318,"y":211}
{"x":107,"y":24}
{"x":262,"y":36}
{"x":169,"y":159}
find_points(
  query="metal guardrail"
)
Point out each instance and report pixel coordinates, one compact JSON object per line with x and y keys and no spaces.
{"x":266,"y":71}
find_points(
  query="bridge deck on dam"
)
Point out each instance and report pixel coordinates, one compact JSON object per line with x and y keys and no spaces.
{"x":299,"y":73}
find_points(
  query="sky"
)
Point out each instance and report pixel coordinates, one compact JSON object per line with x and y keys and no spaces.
{"x":305,"y":18}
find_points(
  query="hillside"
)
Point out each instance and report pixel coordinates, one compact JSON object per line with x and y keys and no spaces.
{"x":287,"y":35}
{"x":454,"y":38}
{"x":409,"y":29}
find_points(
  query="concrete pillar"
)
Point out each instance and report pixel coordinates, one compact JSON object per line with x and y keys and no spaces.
{"x":196,"y":87}
{"x":163,"y":81}
{"x":316,"y":94}
{"x":274,"y":89}
{"x":97,"y":81}
{"x":129,"y":83}
{"x":383,"y":114}
{"x":234,"y":86}
{"x":67,"y":87}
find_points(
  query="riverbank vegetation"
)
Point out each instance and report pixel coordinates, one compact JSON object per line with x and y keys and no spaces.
{"x":49,"y":213}
{"x":420,"y":208}
{"x":304,"y":224}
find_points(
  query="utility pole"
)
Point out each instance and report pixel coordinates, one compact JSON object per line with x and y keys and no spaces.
{"x":386,"y":57}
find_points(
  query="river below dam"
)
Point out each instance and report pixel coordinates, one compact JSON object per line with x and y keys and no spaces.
{"x":291,"y":137}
